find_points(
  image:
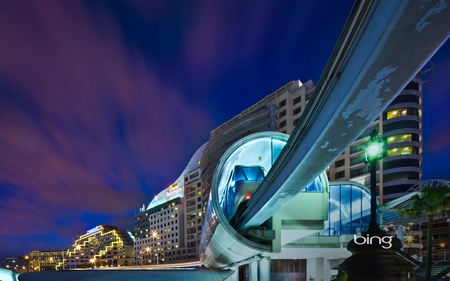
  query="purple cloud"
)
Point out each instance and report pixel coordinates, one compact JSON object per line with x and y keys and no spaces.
{"x":86,"y":124}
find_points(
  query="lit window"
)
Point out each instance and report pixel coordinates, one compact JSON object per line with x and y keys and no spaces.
{"x":399,"y":138}
{"x":397,"y":113}
{"x":400,"y":151}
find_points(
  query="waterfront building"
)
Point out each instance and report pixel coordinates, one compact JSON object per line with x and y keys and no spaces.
{"x":16,"y":264}
{"x":186,"y":199}
{"x":103,"y":245}
{"x":169,"y":228}
{"x":46,"y":260}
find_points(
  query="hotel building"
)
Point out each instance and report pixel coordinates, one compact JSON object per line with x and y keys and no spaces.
{"x":169,"y":228}
{"x":103,"y":245}
{"x":46,"y":260}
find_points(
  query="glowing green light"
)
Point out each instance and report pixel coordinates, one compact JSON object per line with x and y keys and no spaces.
{"x":374,"y":148}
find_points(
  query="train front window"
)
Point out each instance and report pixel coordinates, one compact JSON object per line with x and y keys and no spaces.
{"x":244,"y":168}
{"x":239,"y":174}
{"x":254,"y":173}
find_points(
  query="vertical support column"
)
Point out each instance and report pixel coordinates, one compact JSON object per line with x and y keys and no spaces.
{"x":314,"y":269}
{"x":275,"y":223}
{"x":326,"y":270}
{"x":253,"y":271}
{"x":235,"y":275}
{"x":264,"y":269}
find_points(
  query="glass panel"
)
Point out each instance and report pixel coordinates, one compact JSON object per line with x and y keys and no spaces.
{"x":277,"y":146}
{"x":254,"y":173}
{"x":239,"y":174}
{"x":349,"y":210}
{"x":315,"y":186}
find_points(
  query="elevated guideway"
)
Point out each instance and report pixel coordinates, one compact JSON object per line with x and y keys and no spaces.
{"x":383,"y":46}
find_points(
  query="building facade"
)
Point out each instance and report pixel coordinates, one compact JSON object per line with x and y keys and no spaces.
{"x":16,"y":264}
{"x":103,"y":245}
{"x":400,"y":125}
{"x":279,"y":111}
{"x":46,"y":260}
{"x":169,"y":229}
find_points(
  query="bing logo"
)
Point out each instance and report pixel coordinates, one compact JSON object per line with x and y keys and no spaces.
{"x":385,"y":241}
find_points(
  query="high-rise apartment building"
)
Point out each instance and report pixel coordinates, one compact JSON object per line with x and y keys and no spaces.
{"x":169,"y":228}
{"x":279,"y":111}
{"x":400,"y":124}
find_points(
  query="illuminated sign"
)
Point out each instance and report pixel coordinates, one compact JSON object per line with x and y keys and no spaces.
{"x":156,"y":200}
{"x":172,"y":192}
{"x":93,"y":230}
{"x":174,"y":188}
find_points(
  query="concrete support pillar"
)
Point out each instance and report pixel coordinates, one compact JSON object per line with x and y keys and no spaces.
{"x":253,"y":271}
{"x":264,"y":269}
{"x":275,"y":222}
{"x":326,"y":270}
{"x":315,"y":269}
{"x":235,"y":275}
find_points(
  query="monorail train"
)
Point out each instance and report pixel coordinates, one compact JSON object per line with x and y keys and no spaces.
{"x":241,"y":170}
{"x":242,"y":183}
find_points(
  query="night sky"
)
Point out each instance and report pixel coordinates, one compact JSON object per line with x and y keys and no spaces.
{"x":102,"y":103}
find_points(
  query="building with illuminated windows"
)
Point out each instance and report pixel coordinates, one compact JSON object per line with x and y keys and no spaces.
{"x":103,"y":245}
{"x":169,"y":228}
{"x":46,"y":260}
{"x":16,"y":264}
{"x":400,"y":125}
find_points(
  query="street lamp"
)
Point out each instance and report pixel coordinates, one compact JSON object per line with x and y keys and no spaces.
{"x":373,"y":153}
{"x":27,"y":263}
{"x":374,"y":253}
